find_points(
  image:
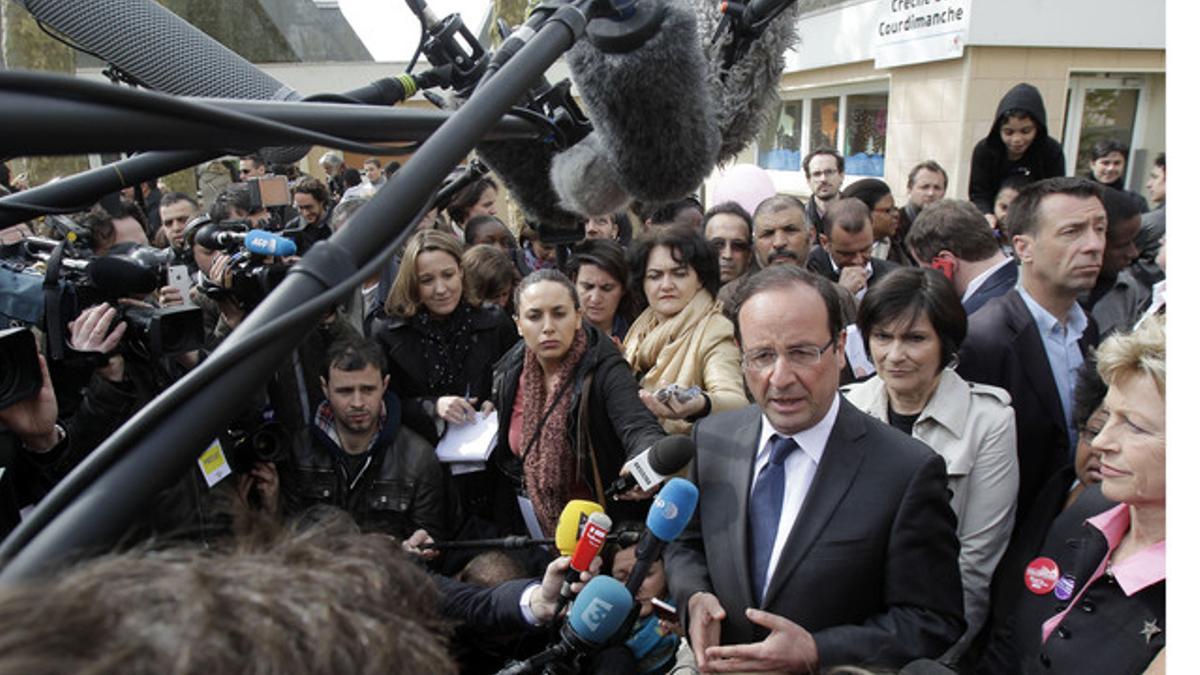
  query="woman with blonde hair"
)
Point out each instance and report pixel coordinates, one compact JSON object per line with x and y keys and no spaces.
{"x":441,"y":342}
{"x":1094,"y":598}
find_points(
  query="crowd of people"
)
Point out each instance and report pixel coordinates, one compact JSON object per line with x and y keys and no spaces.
{"x":928,"y":436}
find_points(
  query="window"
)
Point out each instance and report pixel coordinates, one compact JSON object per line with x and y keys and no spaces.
{"x":1110,"y":105}
{"x":854,"y":122}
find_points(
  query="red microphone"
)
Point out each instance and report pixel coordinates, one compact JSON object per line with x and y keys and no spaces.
{"x":591,"y":540}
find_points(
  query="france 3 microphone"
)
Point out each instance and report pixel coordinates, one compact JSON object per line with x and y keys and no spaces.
{"x":673,"y":508}
{"x":591,"y":540}
{"x":598,"y":614}
{"x":650,"y":468}
{"x":259,"y":242}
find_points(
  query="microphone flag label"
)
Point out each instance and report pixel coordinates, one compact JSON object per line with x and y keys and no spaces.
{"x":596,"y":612}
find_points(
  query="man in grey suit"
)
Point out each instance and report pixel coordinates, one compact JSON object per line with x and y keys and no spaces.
{"x":822,"y":536}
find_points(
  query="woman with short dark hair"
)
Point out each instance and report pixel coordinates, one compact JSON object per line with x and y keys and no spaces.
{"x":600,"y":271}
{"x":912,"y":324}
{"x":682,"y":338}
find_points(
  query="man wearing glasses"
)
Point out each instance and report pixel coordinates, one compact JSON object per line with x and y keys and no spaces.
{"x":822,"y":536}
{"x":825,"y":170}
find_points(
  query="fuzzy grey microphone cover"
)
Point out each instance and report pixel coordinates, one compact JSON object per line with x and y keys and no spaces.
{"x":651,"y":108}
{"x":746,"y":100}
{"x":586,"y":181}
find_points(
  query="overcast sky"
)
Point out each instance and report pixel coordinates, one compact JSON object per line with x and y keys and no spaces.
{"x":389,"y":29}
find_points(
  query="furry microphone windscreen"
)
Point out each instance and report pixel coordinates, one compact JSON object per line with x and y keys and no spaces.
{"x":651,"y":108}
{"x":524,"y":167}
{"x":747,"y":98}
{"x":586,"y":181}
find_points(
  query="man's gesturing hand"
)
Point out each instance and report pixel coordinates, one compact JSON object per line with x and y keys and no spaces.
{"x":788,"y":648}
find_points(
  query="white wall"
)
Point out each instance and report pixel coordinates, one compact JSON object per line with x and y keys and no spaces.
{"x":1103,"y":24}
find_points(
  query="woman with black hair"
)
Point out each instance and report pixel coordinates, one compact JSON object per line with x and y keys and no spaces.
{"x":478,"y":198}
{"x":885,"y":217}
{"x":569,"y":413}
{"x":682,"y":338}
{"x":912,"y":323}
{"x":601,"y":275}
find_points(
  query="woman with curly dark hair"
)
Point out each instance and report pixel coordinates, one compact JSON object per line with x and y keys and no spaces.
{"x":682,"y":338}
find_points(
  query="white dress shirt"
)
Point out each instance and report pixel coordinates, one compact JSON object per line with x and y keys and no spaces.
{"x":799,"y":469}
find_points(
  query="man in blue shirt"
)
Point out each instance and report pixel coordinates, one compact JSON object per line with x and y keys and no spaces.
{"x":1032,"y":341}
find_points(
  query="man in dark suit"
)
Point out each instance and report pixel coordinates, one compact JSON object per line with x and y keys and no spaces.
{"x":822,"y":536}
{"x":844,"y":256}
{"x":1032,"y":341}
{"x":953,"y":237}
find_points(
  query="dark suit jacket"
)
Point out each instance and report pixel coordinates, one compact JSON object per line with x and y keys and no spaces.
{"x":870,"y":567}
{"x":1002,"y":281}
{"x":819,"y":263}
{"x":1003,"y":348}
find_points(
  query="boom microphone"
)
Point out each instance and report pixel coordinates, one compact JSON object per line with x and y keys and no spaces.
{"x":672,"y":509}
{"x":599,"y":612}
{"x":163,"y":52}
{"x":650,"y":468}
{"x":744,"y":68}
{"x":650,"y":107}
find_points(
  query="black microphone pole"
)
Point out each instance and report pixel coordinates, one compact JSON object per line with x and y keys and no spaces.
{"x":155,"y":460}
{"x":80,"y":191}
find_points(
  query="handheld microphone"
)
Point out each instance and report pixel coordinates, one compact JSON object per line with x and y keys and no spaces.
{"x":672,"y":509}
{"x":591,"y":540}
{"x":651,"y":108}
{"x":261,"y":242}
{"x":572,"y":519}
{"x":654,"y":464}
{"x":598,"y":613}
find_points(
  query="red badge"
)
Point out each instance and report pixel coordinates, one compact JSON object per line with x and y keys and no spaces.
{"x":1041,"y":575}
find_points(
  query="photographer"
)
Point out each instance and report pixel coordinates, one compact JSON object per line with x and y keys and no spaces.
{"x":311,"y":199}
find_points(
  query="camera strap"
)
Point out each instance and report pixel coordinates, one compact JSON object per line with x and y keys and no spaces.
{"x":52,"y":289}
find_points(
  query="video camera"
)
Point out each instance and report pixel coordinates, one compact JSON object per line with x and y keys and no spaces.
{"x":254,"y":267}
{"x":54,"y":281}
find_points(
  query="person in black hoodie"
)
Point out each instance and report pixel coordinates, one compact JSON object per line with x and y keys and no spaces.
{"x":1018,"y":144}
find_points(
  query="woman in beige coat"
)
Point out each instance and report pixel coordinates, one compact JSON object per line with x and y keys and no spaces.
{"x":912,"y":323}
{"x":681,"y":338}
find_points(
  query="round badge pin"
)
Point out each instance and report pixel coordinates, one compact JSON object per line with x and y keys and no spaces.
{"x":1064,"y":587}
{"x":1041,"y":575}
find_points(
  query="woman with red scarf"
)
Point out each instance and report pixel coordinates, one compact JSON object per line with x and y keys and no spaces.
{"x":570,"y":416}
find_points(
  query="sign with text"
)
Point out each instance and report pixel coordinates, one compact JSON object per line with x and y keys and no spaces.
{"x":917,"y":31}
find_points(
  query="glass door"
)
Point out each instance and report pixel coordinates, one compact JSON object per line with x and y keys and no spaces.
{"x":1103,"y":106}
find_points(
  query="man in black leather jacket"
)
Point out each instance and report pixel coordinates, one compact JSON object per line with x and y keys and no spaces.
{"x":359,"y":457}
